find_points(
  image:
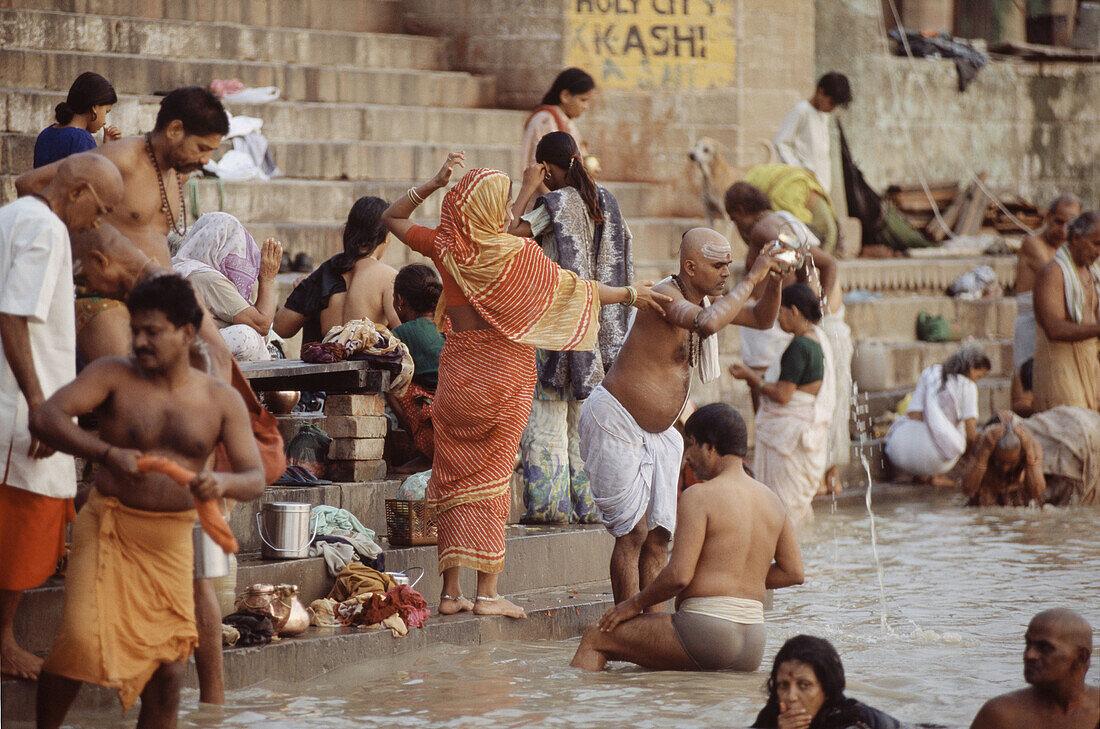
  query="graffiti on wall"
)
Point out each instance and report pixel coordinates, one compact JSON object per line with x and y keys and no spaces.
{"x":632,"y":44}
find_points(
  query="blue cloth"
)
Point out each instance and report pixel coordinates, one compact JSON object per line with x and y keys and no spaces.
{"x":56,"y":143}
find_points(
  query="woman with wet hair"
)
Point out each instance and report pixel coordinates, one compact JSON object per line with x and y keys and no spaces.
{"x":579,"y":226}
{"x":82,"y":114}
{"x":796,"y":407}
{"x":566,"y":100}
{"x":942,"y":418}
{"x":806,"y":691}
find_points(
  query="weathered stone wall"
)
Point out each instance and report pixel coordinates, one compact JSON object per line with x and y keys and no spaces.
{"x":1031,"y":127}
{"x":641,"y":135}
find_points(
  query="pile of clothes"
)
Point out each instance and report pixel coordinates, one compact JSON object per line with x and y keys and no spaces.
{"x":342,"y":540}
{"x":368,"y":598}
{"x":362,"y":339}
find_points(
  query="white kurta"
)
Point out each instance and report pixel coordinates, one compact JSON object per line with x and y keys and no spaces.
{"x":36,"y":282}
{"x":803,"y":141}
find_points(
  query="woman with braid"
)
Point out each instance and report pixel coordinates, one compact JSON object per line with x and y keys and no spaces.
{"x":579,"y":226}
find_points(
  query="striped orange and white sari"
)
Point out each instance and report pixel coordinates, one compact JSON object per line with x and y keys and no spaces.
{"x":487,"y":376}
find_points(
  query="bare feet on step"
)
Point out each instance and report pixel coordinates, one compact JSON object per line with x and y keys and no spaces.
{"x":18,"y":663}
{"x":498,"y":606}
{"x":451,"y":605}
{"x":943,"y":481}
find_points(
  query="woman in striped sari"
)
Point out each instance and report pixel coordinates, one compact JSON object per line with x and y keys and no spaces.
{"x":504,"y":298}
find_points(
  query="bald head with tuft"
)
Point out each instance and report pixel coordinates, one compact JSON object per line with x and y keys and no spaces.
{"x":105,"y":261}
{"x":1067,"y":623}
{"x":705,"y":245}
{"x":90,"y":168}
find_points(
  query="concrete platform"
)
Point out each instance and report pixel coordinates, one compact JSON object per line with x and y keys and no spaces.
{"x":131,"y":73}
{"x":86,"y":33}
{"x":361,"y":16}
{"x":904,"y":361}
{"x":894,"y":319}
{"x":556,"y":614}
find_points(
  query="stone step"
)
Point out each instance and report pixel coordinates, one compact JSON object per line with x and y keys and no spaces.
{"x":538,"y":558}
{"x":130,"y":73}
{"x":555,"y":614}
{"x":358,"y":16}
{"x":31,"y":110}
{"x":894,"y":319}
{"x":86,"y":33}
{"x":921,"y":275}
{"x":879,"y":367}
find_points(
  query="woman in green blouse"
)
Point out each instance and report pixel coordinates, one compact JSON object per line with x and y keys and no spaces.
{"x":796,"y":409}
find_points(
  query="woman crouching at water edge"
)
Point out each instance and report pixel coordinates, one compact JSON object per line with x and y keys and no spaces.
{"x":942,"y":419}
{"x":806,"y":691}
{"x":504,"y":298}
{"x":796,"y":406}
{"x":580,"y":228}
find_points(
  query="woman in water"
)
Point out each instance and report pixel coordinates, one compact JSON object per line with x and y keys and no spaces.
{"x":806,"y":691}
{"x":503,"y":298}
{"x":792,"y":425}
{"x":941,"y":423}
{"x":566,"y":100}
{"x":581,"y":229}
{"x":83,"y":113}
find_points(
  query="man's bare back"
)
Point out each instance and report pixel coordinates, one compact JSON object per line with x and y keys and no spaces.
{"x":1023,"y":709}
{"x":745,"y":527}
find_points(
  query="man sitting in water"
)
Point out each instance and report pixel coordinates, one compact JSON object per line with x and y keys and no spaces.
{"x":1007,"y":468}
{"x":1056,"y":659}
{"x":129,"y":619}
{"x":734,"y":542}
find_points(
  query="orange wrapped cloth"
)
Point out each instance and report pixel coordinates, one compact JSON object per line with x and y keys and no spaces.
{"x":210,"y":516}
{"x":32,"y":537}
{"x":129,"y":602}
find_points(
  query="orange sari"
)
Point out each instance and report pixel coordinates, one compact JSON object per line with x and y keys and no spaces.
{"x":487,"y":376}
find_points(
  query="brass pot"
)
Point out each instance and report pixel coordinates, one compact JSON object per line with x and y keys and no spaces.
{"x":281,"y":402}
{"x":297,"y":617}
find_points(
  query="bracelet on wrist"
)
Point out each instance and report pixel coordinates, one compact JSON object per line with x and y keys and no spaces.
{"x":632,"y":297}
{"x":414,"y":197}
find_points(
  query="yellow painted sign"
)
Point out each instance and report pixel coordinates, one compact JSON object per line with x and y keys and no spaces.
{"x":637,"y":44}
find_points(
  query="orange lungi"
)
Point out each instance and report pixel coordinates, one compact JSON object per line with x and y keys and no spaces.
{"x":481,"y":407}
{"x":32,"y":536}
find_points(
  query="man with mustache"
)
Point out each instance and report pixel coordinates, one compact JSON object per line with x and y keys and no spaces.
{"x":630,"y":448}
{"x":189,"y":127}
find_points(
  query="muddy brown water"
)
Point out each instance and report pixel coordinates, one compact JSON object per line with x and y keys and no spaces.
{"x":959,"y":584}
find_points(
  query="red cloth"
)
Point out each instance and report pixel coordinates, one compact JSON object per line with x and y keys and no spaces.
{"x":32,"y":537}
{"x":417,"y":403}
{"x":411,"y":604}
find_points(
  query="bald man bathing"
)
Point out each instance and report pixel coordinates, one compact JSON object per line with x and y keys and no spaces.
{"x":1056,"y":659}
{"x":36,"y":341}
{"x":630,"y":448}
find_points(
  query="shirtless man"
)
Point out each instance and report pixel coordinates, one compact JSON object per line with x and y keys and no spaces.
{"x":1036,"y":251}
{"x":734,"y":542}
{"x":1056,"y":659}
{"x":36,"y":358}
{"x":130,"y":572}
{"x":630,"y":449}
{"x":189,"y":127}
{"x":1067,"y":309}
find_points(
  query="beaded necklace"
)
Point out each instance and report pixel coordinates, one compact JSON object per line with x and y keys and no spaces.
{"x":695,"y":343}
{"x":165,"y":207}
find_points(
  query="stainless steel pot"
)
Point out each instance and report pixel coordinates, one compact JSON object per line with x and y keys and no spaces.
{"x":284,"y":530}
{"x":210,"y":560}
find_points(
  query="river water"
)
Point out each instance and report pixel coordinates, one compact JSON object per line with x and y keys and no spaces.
{"x":959,"y":587}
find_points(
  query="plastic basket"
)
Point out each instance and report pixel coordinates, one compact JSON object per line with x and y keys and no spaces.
{"x":407,"y":523}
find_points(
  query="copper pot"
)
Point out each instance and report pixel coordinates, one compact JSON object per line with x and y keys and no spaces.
{"x":297,"y":617}
{"x":281,"y":402}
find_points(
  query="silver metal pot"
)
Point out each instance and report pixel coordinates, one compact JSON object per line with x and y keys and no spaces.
{"x":402,"y":578}
{"x":284,"y":530}
{"x":210,"y":560}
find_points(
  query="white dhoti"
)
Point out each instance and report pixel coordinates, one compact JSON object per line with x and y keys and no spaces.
{"x":910,"y":448}
{"x":840,"y":339}
{"x":1023,"y":333}
{"x":761,"y":348}
{"x":632,"y":472}
{"x":792,"y":441}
